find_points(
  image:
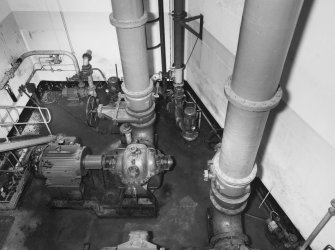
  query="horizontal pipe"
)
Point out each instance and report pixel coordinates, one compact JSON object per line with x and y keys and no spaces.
{"x":10,"y":73}
{"x":13,"y":145}
{"x":52,"y":52}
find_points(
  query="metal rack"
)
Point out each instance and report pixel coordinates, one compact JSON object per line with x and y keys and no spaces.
{"x":15,"y":154}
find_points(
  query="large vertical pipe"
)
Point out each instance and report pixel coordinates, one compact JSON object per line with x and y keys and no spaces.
{"x":129,"y":18}
{"x":266,"y":31}
{"x":162,"y":42}
{"x":265,"y":36}
{"x":162,"y":35}
{"x":179,"y":40}
{"x":179,"y":43}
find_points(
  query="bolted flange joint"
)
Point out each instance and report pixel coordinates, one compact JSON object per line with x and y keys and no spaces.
{"x":252,"y":106}
{"x":228,"y":195}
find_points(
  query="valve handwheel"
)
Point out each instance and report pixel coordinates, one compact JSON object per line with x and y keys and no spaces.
{"x":92,"y":112}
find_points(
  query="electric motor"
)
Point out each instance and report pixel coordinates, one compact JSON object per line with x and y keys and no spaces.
{"x":60,"y":164}
{"x":114,"y":86}
{"x":190,"y":132}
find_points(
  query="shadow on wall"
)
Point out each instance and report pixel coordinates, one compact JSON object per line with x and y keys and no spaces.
{"x":296,"y":39}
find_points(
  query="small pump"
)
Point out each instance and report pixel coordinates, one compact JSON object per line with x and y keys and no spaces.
{"x":190,"y":124}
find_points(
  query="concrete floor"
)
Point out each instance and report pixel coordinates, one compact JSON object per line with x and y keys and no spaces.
{"x":183,"y":198}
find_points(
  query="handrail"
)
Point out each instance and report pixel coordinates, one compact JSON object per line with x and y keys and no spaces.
{"x":7,"y":108}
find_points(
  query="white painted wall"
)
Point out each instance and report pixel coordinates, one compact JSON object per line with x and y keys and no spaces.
{"x":297,"y":154}
{"x":11,"y":47}
{"x":4,"y":10}
{"x":89,"y":28}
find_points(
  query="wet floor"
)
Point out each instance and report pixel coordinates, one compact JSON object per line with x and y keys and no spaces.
{"x":183,"y":198}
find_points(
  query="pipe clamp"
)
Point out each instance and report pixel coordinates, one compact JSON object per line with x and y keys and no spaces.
{"x":128,"y":24}
{"x":252,"y":106}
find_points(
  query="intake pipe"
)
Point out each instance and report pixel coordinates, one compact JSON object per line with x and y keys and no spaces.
{"x":266,"y":31}
{"x":129,"y":18}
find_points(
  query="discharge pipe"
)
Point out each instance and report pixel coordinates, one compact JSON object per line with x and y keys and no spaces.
{"x":266,"y":32}
{"x":129,"y":18}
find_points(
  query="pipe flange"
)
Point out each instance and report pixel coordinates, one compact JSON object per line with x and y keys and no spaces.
{"x":235,"y":182}
{"x":231,"y":237}
{"x":129,"y":24}
{"x":252,"y":106}
{"x":227,"y":199}
{"x":144,"y":124}
{"x":225,"y":210}
{"x":142,"y":114}
{"x":137,"y":94}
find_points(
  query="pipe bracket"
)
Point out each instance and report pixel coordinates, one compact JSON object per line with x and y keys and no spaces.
{"x":252,"y":106}
{"x":129,"y":24}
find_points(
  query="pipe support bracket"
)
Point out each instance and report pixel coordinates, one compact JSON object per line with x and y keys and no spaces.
{"x":129,"y":24}
{"x":252,"y":106}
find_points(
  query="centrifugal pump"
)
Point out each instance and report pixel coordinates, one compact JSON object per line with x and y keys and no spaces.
{"x":117,"y":183}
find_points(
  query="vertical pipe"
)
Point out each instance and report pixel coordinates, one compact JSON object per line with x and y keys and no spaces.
{"x":129,"y":18}
{"x":162,"y":35}
{"x":179,"y":40}
{"x":162,"y":42}
{"x":265,"y":36}
{"x":266,"y":31}
{"x":226,"y":232}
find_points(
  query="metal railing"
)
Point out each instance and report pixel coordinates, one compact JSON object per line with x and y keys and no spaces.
{"x":43,"y":112}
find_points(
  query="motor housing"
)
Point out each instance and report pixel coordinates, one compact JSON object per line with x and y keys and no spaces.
{"x":60,"y":164}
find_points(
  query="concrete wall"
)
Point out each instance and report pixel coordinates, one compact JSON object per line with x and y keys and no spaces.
{"x":297,"y":154}
{"x":11,"y":47}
